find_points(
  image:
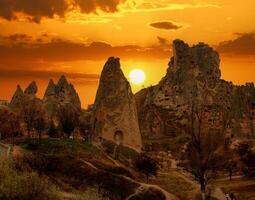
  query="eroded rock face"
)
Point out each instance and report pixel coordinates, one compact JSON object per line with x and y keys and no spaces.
{"x":60,"y":94}
{"x":114,"y":115}
{"x":194,"y":75}
{"x":31,"y":89}
{"x":18,"y":98}
{"x":193,"y":71}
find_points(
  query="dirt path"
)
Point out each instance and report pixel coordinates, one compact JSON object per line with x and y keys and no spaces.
{"x":217,"y":193}
{"x":142,"y":185}
{"x":106,"y":155}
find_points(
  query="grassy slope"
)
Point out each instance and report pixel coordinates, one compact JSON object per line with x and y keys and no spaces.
{"x":176,"y":184}
{"x":76,"y":166}
{"x":66,"y":163}
{"x":244,"y":189}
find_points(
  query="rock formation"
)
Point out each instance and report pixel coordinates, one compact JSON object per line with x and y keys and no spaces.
{"x":31,"y":89}
{"x":18,"y":98}
{"x":114,"y":115}
{"x":63,"y":93}
{"x":194,"y":76}
{"x":60,"y":95}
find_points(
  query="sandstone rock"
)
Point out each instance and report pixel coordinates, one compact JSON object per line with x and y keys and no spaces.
{"x":62,"y":94}
{"x":18,"y":98}
{"x":194,"y":74}
{"x":51,"y":90}
{"x":66,"y":93}
{"x":31,"y":89}
{"x":114,"y":114}
{"x":193,"y":71}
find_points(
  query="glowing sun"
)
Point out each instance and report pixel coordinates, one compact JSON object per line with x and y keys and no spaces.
{"x":137,"y":76}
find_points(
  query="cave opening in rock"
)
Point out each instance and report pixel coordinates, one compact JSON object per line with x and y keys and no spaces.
{"x":118,"y":137}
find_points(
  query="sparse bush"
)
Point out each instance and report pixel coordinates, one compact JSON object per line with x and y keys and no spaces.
{"x":52,"y":131}
{"x":147,"y":166}
{"x":22,"y":185}
{"x":247,"y":157}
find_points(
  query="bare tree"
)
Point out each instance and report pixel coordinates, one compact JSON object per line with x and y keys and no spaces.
{"x":203,"y":156}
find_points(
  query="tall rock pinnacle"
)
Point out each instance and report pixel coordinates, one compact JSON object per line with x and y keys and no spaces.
{"x":115,"y":115}
{"x":51,"y":89}
{"x":31,"y":89}
{"x":60,"y":95}
{"x":18,"y":98}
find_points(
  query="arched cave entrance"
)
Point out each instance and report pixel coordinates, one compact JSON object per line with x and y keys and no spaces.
{"x":118,"y":137}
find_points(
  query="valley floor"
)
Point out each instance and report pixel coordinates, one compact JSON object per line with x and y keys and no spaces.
{"x":76,"y":164}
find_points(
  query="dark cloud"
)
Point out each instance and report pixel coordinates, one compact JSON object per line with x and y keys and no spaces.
{"x":39,"y":74}
{"x":44,"y":74}
{"x":162,"y":41}
{"x":36,"y":10}
{"x":60,"y":50}
{"x":166,"y":25}
{"x":15,"y":38}
{"x":244,"y":44}
{"x":88,"y":6}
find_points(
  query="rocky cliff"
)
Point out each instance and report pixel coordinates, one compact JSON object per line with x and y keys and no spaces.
{"x":194,"y":75}
{"x":114,"y":115}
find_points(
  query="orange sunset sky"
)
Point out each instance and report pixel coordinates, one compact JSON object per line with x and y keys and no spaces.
{"x":42,"y":39}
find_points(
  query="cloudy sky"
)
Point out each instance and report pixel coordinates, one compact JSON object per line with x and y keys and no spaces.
{"x":41,"y":39}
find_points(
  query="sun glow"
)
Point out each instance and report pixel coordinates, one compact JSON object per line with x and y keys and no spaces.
{"x":137,"y":76}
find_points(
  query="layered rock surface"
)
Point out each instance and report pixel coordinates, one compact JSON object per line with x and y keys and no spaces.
{"x":60,"y":94}
{"x":18,"y":98}
{"x":114,"y":115}
{"x":194,"y":74}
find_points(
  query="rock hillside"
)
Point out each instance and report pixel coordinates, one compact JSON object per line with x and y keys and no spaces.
{"x":194,"y":75}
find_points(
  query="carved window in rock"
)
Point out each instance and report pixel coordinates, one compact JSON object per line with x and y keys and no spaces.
{"x":118,"y":137}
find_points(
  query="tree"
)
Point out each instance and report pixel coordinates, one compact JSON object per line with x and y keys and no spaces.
{"x":10,"y":124}
{"x":231,"y":166}
{"x":84,"y":127}
{"x":34,"y":117}
{"x":247,"y":157}
{"x":203,"y":156}
{"x":69,"y":119}
{"x":52,"y":131}
{"x":147,"y":166}
{"x":40,"y":123}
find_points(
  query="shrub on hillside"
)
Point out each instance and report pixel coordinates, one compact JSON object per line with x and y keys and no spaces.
{"x":147,"y":165}
{"x":21,"y":185}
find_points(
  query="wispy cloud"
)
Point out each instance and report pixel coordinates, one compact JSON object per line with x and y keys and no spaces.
{"x":161,"y":5}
